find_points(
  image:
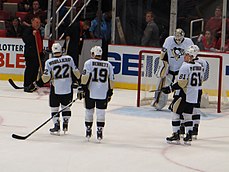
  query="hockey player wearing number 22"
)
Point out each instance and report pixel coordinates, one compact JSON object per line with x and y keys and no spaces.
{"x":171,"y":59}
{"x":190,"y":78}
{"x":97,"y":86}
{"x":58,"y":70}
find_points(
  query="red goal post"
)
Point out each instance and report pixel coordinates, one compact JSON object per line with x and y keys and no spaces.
{"x":155,"y":53}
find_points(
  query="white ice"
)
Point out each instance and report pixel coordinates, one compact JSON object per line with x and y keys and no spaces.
{"x":134,"y":138}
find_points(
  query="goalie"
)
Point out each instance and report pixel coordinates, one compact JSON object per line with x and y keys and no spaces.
{"x":171,"y":59}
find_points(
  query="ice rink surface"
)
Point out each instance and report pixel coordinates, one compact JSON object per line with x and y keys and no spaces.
{"x":134,"y":138}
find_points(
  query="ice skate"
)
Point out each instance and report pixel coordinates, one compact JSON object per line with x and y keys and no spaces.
{"x":188,"y":138}
{"x":174,"y":139}
{"x":100,"y":134}
{"x":88,"y":133}
{"x":55,"y":130}
{"x":65,"y":126}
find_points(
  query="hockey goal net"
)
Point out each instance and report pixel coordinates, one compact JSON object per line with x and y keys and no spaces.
{"x":213,"y":92}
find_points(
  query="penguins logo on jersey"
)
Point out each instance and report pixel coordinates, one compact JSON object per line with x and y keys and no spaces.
{"x":177,"y":52}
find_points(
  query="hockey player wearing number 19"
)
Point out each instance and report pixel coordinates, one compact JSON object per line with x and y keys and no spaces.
{"x":58,"y":70}
{"x":97,"y":83}
{"x":190,"y":79}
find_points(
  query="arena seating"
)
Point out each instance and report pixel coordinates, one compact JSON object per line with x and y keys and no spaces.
{"x":21,"y":15}
{"x":13,"y":1}
{"x":2,"y":33}
{"x":4,"y":15}
{"x":2,"y":25}
{"x":12,"y":8}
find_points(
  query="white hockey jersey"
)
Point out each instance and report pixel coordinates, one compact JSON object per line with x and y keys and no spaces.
{"x":193,"y":72}
{"x":205,"y":66}
{"x":101,"y":72}
{"x":175,"y":52}
{"x":60,"y":69}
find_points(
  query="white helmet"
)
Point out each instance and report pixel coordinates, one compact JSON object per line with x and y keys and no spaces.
{"x":192,"y":50}
{"x":56,"y":48}
{"x":179,"y":35}
{"x":96,"y":51}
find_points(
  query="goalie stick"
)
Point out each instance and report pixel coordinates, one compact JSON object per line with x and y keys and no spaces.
{"x":15,"y":136}
{"x":154,"y":90}
{"x":14,"y":85}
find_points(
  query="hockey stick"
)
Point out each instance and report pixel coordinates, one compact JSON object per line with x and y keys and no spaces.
{"x":154,"y":91}
{"x":14,"y":85}
{"x":15,"y":136}
{"x":38,"y":55}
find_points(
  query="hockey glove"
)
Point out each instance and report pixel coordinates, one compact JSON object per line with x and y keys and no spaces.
{"x":80,"y":93}
{"x":167,"y":89}
{"x":109,"y":95}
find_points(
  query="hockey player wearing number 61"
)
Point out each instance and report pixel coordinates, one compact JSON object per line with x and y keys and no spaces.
{"x":171,"y":59}
{"x":97,"y":83}
{"x":190,"y":79}
{"x":59,"y":70}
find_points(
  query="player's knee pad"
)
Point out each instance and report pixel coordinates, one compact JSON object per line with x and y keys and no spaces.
{"x":175,"y":117}
{"x":100,"y":113}
{"x":187,"y":117}
{"x":89,"y":115}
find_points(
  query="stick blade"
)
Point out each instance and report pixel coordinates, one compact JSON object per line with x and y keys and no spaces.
{"x":14,"y":85}
{"x":15,"y":136}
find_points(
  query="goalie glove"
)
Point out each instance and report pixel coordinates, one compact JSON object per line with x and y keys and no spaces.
{"x":80,"y":93}
{"x":109,"y":95}
{"x":167,"y":89}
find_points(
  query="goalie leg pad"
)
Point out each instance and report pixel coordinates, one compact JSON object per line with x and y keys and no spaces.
{"x":160,"y":98}
{"x":162,"y":70}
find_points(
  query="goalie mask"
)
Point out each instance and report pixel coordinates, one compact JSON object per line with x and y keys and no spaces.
{"x":179,"y":36}
{"x":56,"y":49}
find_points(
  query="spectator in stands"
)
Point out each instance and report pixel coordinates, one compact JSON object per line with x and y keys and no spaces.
{"x":103,"y":32}
{"x":74,"y":36}
{"x":34,"y":12}
{"x":215,"y":22}
{"x":151,"y":32}
{"x":33,"y":51}
{"x":206,"y":42}
{"x":24,"y":6}
{"x":84,"y":32}
{"x":15,"y":28}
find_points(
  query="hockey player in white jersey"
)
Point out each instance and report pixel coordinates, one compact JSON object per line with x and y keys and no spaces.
{"x":58,"y":70}
{"x":97,"y":82}
{"x":171,"y":59}
{"x":196,"y":113}
{"x":190,"y":78}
